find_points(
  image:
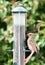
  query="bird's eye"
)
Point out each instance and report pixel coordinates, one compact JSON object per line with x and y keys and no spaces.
{"x":30,"y":34}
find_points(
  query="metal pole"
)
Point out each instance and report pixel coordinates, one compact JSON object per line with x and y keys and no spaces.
{"x":15,"y":46}
{"x":19,"y":35}
{"x":19,"y":62}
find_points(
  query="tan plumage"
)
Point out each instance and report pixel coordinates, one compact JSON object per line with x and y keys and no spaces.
{"x":31,"y":45}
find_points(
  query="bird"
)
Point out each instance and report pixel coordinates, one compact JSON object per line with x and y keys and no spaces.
{"x":33,"y":47}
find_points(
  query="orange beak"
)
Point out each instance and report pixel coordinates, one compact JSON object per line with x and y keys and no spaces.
{"x":29,"y":34}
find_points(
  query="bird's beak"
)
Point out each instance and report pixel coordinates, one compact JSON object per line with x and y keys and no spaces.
{"x":28,"y":34}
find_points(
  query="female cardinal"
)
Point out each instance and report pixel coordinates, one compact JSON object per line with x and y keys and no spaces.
{"x":32,"y":46}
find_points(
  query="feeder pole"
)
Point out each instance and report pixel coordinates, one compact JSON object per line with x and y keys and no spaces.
{"x":19,"y":15}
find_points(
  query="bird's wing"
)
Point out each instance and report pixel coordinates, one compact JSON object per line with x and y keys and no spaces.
{"x":31,"y":45}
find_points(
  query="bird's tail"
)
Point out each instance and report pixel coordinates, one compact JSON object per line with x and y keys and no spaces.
{"x":28,"y":58}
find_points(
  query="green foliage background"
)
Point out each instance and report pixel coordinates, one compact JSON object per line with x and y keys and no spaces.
{"x":35,"y":23}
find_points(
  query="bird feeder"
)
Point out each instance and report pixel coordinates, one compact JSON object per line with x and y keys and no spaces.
{"x":19,"y":18}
